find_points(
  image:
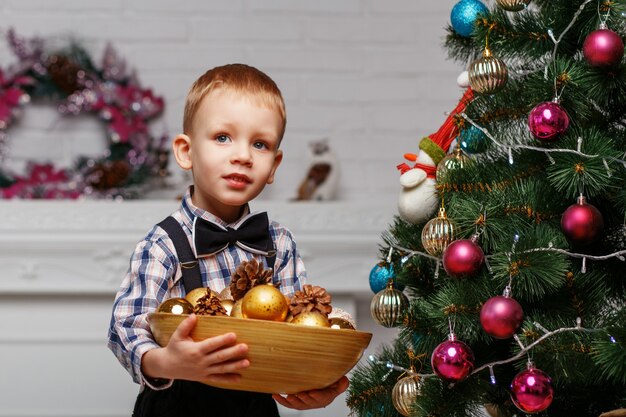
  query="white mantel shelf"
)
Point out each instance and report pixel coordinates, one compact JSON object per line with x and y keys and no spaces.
{"x":78,"y":247}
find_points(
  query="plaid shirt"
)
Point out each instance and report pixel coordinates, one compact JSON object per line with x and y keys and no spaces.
{"x":154,"y":276}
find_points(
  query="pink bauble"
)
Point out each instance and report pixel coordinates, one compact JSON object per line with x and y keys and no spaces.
{"x":603,"y":48}
{"x":548,"y":121}
{"x":582,"y":223}
{"x":463,"y":257}
{"x":532,"y":391}
{"x":501,"y":316}
{"x":452,"y":360}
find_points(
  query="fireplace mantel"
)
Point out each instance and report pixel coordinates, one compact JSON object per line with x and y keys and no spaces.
{"x":68,"y":247}
{"x":63,"y":261}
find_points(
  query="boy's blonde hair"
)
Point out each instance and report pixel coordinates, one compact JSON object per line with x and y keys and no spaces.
{"x":238,"y":78}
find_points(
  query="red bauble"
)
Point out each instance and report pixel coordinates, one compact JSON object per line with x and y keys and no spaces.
{"x":603,"y":48}
{"x":463,"y":257}
{"x":531,"y":390}
{"x":582,"y":223}
{"x":548,"y":121}
{"x":452,"y":360}
{"x":501,"y":316}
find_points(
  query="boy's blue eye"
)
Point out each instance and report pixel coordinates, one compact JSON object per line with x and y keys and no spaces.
{"x":222,"y":138}
{"x":260,"y":145}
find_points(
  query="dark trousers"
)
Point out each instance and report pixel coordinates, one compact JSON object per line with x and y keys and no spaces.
{"x":193,"y":399}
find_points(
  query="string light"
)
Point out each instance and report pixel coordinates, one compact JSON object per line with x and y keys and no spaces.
{"x":619,"y":255}
{"x":558,"y":41}
{"x":523,"y":351}
{"x":492,"y":376}
{"x":536,"y":148}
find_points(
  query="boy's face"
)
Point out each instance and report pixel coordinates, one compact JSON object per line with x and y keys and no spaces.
{"x":232,"y":151}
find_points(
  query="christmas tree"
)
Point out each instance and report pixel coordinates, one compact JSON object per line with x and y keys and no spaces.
{"x":514,"y":298}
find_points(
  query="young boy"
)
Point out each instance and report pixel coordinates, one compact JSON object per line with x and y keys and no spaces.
{"x":234,"y":121}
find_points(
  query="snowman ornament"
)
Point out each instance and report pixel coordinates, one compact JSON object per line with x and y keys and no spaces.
{"x":418,"y":200}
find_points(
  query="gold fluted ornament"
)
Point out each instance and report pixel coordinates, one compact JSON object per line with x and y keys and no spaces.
{"x":389,"y":306}
{"x":438,"y":233}
{"x":513,"y":5}
{"x":452,"y":161}
{"x":487,"y":74}
{"x":404,"y":394}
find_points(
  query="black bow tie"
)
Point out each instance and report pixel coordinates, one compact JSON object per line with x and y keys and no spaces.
{"x":252,"y":235}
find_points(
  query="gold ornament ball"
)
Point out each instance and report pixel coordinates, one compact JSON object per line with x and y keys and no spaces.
{"x":228,"y":305}
{"x":176,"y":306}
{"x":311,"y":318}
{"x":341,"y":319}
{"x":438,"y":233}
{"x":235,"y":311}
{"x":487,"y":74}
{"x":264,"y":302}
{"x":388,"y":306}
{"x":513,"y":5}
{"x":194,"y":295}
{"x":453,"y":161}
{"x":404,"y":394}
{"x":340,"y":323}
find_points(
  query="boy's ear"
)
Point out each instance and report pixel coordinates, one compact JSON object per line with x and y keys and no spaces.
{"x":181,"y":146}
{"x":277,"y":160}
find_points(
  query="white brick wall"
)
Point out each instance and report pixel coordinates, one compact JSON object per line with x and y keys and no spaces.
{"x":369,"y":74}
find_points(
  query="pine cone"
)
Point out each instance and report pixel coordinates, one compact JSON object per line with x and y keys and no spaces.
{"x":108,"y":174}
{"x":209,"y":305}
{"x":311,"y":298}
{"x":247,"y":275}
{"x":65,"y":73}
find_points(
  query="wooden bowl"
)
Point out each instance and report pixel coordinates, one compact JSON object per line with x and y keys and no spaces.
{"x":284,"y":358}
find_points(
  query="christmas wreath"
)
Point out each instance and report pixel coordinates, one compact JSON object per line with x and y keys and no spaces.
{"x":70,"y":80}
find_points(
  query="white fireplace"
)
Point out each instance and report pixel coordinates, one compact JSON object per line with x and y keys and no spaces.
{"x":62,"y":262}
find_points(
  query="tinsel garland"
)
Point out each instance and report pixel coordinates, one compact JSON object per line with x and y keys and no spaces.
{"x":69,"y":80}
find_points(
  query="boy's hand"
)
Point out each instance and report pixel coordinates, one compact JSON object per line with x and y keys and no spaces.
{"x":317,"y":398}
{"x":214,"y":359}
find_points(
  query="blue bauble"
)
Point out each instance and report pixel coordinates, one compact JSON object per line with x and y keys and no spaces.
{"x":379,"y":276}
{"x":473,"y":140}
{"x":464,"y":14}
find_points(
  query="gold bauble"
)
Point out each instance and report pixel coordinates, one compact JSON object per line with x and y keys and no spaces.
{"x":404,"y":394}
{"x":197,"y":293}
{"x":176,"y":306}
{"x":228,"y":305}
{"x":513,"y":5}
{"x":311,"y":318}
{"x":341,"y":319}
{"x":453,"y":161}
{"x":235,"y":311}
{"x":388,"y":306}
{"x":340,"y":323}
{"x":487,"y":74}
{"x":438,"y":233}
{"x":264,"y":302}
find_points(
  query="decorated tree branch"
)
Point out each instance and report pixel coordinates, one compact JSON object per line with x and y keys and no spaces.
{"x":530,"y":236}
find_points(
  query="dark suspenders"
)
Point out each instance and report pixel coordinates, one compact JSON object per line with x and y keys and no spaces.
{"x":188,"y":263}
